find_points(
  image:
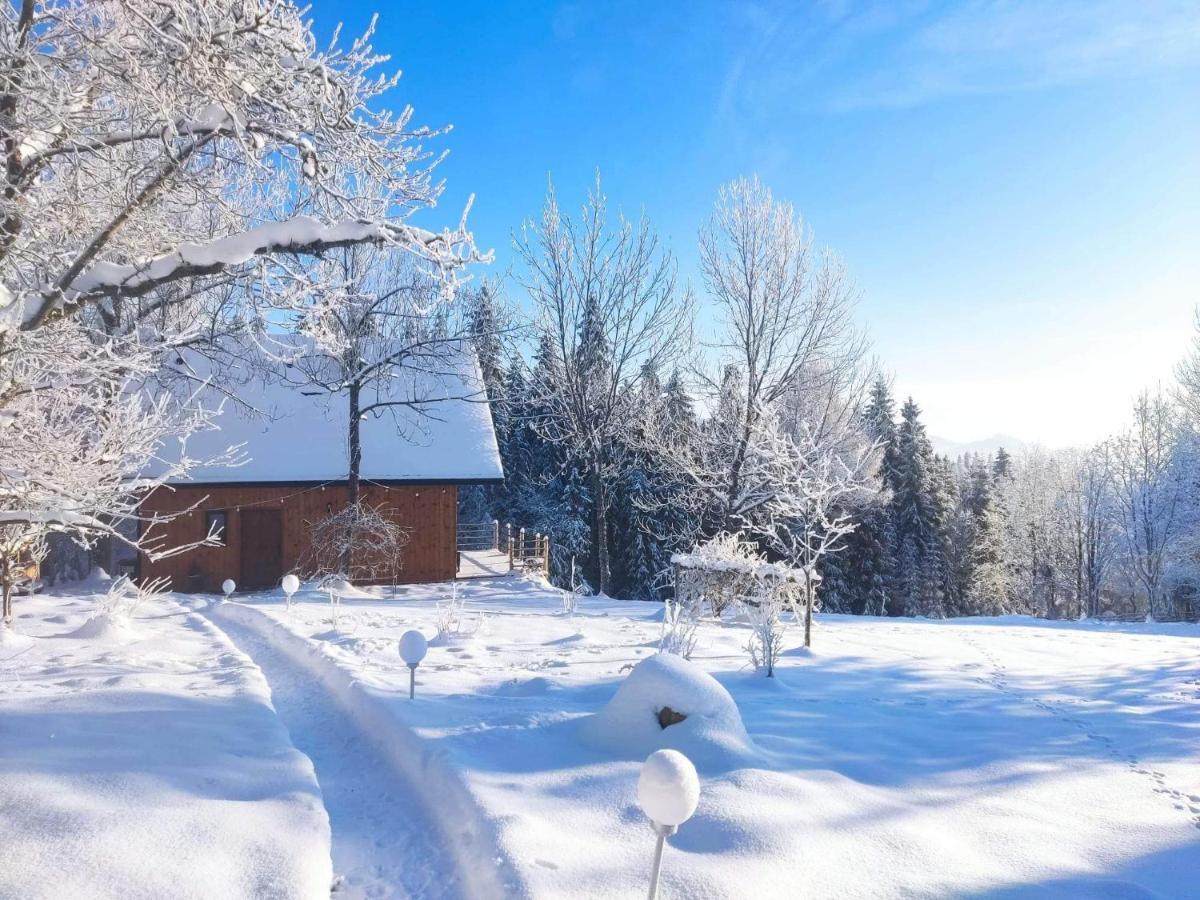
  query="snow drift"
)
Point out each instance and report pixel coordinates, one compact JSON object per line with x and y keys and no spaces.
{"x":711,"y":734}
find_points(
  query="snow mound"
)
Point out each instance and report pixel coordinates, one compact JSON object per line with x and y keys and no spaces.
{"x":711,"y":735}
{"x":107,"y":627}
{"x":528,"y":687}
{"x":95,"y":580}
{"x":12,"y":640}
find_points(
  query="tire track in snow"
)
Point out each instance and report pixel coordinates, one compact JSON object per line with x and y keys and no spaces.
{"x":384,"y":844}
{"x":998,"y":679}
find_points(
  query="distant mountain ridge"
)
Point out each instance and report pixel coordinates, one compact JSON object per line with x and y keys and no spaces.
{"x":983,"y":447}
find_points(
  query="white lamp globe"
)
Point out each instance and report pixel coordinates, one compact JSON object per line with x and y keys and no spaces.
{"x":668,"y":788}
{"x":291,"y":583}
{"x":413,"y":647}
{"x":228,"y":586}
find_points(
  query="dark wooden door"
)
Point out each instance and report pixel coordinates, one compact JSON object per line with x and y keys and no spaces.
{"x":262,"y":547}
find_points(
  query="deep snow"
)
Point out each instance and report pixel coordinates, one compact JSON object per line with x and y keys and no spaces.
{"x":985,"y":757}
{"x":146,"y":761}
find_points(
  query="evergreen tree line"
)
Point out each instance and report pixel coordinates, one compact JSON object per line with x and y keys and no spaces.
{"x":623,"y":450}
{"x":1111,"y":530}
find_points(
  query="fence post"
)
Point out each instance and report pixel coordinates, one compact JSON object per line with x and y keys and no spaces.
{"x":546,"y":558}
{"x":496,"y":534}
{"x":508,"y":527}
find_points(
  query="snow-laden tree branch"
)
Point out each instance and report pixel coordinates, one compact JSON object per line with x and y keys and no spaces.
{"x":608,"y":308}
{"x":171,"y":172}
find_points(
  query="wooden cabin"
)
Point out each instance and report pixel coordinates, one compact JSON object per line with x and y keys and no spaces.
{"x":294,"y":444}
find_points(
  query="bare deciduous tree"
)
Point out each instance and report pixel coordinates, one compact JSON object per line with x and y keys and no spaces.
{"x":786,"y":321}
{"x":1150,"y":491}
{"x":608,"y":305}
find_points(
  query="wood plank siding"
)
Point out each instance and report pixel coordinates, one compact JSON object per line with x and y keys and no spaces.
{"x":429,"y":511}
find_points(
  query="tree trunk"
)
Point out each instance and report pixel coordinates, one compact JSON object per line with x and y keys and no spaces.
{"x":808,"y":610}
{"x":735,"y":477}
{"x":7,"y":576}
{"x":600,"y":529}
{"x":353,"y":476}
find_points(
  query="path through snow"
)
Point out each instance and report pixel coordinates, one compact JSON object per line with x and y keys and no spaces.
{"x":384,"y":844}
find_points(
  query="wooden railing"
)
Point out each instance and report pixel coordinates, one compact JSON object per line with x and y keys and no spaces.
{"x":477,"y":536}
{"x":528,"y":551}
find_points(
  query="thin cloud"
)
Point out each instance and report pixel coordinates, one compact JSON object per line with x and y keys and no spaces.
{"x":899,"y":55}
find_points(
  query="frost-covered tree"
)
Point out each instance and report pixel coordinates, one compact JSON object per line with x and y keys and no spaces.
{"x":1036,"y":543}
{"x":607,"y":304}
{"x":149,"y":144}
{"x":378,"y":335}
{"x":786,"y":326}
{"x":75,"y":440}
{"x":811,"y":510}
{"x":170,"y":169}
{"x":652,"y":519}
{"x":1090,"y":511}
{"x":918,"y":587}
{"x":1151,"y":482}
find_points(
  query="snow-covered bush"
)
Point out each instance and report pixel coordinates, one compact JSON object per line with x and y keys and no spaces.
{"x":764,"y":613}
{"x":359,"y":542}
{"x":726,"y":569}
{"x":449,"y":614}
{"x":680,"y":625}
{"x":125,"y":596}
{"x":668,"y":702}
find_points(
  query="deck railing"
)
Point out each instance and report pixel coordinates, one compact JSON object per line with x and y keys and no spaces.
{"x":527,"y":551}
{"x":474,"y":536}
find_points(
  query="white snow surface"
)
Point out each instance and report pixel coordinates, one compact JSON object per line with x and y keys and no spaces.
{"x":146,"y":761}
{"x":1003,"y":757}
{"x":289,"y":433}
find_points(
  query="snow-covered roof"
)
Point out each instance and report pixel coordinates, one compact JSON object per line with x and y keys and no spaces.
{"x":293,"y":433}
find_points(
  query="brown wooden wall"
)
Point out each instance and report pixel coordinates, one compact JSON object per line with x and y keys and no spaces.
{"x":429,"y":511}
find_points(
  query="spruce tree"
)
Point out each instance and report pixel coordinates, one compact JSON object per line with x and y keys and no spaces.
{"x":918,"y":582}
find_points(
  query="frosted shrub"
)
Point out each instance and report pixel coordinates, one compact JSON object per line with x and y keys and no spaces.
{"x":359,"y":542}
{"x":728,"y":571}
{"x":679,"y":629}
{"x":124,"y":596}
{"x":334,"y":585}
{"x":450,"y":612}
{"x":766,"y":630}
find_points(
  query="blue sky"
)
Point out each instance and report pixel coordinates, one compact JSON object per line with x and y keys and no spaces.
{"x":1014,"y":187}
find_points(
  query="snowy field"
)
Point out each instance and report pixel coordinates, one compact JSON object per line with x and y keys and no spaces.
{"x":986,"y":757}
{"x":147,"y":762}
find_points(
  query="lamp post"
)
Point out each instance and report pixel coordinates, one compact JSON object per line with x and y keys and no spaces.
{"x":290,"y":585}
{"x":668,"y":792}
{"x":413,"y":648}
{"x":228,"y":586}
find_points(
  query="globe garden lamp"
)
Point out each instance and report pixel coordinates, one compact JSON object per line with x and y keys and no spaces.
{"x":290,"y":585}
{"x":668,"y":792}
{"x":413,"y":648}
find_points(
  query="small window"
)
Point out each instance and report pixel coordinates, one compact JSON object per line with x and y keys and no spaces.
{"x":215,"y":521}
